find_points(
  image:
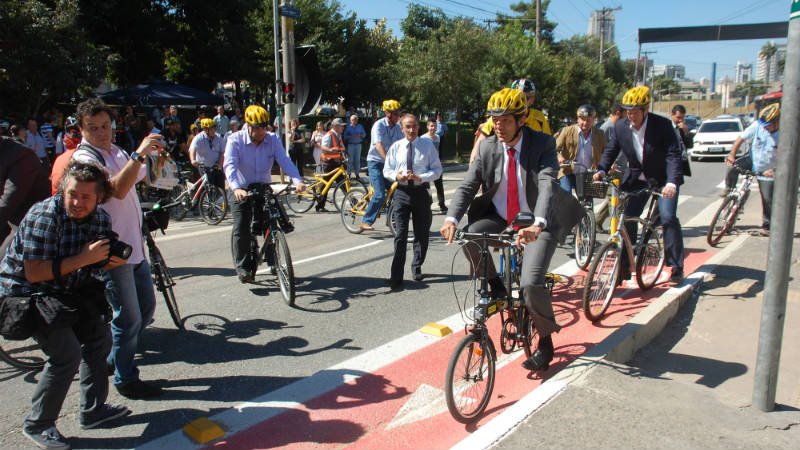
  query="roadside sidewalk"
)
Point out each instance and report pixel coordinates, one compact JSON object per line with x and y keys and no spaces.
{"x":691,"y":387}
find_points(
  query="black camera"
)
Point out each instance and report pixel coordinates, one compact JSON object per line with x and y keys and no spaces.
{"x":115,"y":246}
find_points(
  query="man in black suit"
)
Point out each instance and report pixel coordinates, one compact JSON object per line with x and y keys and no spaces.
{"x":516,"y":170}
{"x":650,"y":144}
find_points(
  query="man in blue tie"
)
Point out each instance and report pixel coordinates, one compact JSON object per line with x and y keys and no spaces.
{"x":413,"y":163}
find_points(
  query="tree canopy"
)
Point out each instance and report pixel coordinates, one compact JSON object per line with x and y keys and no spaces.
{"x":441,"y":63}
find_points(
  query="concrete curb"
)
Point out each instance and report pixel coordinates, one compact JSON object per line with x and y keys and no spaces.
{"x":619,"y":347}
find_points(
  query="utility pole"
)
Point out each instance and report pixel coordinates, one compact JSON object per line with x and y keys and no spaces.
{"x":275,"y":37}
{"x":538,"y":23}
{"x":288,"y":14}
{"x":602,"y":16}
{"x":784,"y":204}
{"x":646,"y":61}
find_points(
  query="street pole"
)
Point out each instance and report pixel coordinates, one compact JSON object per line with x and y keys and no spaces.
{"x":290,"y":100}
{"x":538,"y":23}
{"x":275,"y":37}
{"x":784,"y":204}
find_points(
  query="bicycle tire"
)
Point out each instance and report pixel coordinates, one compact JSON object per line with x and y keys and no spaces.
{"x":164,"y":282}
{"x":25,"y":355}
{"x":722,"y":223}
{"x":508,"y":337}
{"x":529,"y":338}
{"x":340,"y":191}
{"x":301,"y":202}
{"x":283,"y":266}
{"x":471,"y":366}
{"x":650,"y":259}
{"x":352,"y":210}
{"x":213,"y":205}
{"x":179,"y":193}
{"x":601,"y":281}
{"x":585,"y":235}
{"x":391,"y":224}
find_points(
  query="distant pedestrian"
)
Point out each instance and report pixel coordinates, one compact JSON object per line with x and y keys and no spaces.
{"x":316,"y":142}
{"x":433,"y":136}
{"x":35,"y":142}
{"x":354,"y":135}
{"x":296,"y":145}
{"x":222,"y":121}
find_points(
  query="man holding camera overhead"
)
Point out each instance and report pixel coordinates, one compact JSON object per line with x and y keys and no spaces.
{"x":130,"y":286}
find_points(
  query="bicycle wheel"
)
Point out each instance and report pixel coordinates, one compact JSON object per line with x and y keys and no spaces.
{"x":179,"y":194}
{"x":352,"y":210}
{"x":722,"y":222}
{"x":529,"y":338}
{"x":650,"y":259}
{"x":283,"y":266}
{"x":508,"y":337}
{"x":390,"y":222}
{"x":340,"y":191}
{"x":164,"y":283}
{"x":585,"y":235}
{"x":301,"y":202}
{"x":470,"y":379}
{"x":25,"y":355}
{"x":601,"y":281}
{"x":213,"y":205}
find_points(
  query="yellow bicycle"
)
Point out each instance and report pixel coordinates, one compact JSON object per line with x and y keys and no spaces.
{"x":355,"y":204}
{"x":335,"y":180}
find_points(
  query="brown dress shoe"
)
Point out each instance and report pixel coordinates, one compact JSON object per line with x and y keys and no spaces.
{"x":365,"y":227}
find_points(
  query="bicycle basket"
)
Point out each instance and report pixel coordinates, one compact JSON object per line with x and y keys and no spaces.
{"x":157,"y":219}
{"x":585,"y":187}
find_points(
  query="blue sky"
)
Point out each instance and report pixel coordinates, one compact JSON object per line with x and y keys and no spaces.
{"x":572,"y":17}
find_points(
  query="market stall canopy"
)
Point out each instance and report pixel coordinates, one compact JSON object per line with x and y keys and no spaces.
{"x":160,"y":94}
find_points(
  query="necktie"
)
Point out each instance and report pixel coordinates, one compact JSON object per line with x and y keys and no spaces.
{"x":512,"y":199}
{"x":410,"y":161}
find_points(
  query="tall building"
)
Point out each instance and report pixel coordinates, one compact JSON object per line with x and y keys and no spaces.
{"x":602,"y":24}
{"x":767,"y":69}
{"x":744,"y":72}
{"x":670,"y":70}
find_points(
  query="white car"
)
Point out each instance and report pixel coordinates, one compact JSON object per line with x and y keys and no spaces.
{"x":715,"y":137}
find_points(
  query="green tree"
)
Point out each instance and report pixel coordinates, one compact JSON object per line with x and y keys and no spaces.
{"x":421,"y":21}
{"x":768,"y":51}
{"x":37,"y":35}
{"x":526,"y":17}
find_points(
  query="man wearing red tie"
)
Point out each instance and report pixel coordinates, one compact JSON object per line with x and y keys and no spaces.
{"x":516,"y":171}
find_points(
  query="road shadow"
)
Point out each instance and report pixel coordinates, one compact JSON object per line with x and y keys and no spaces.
{"x":181,"y":273}
{"x":211,"y":339}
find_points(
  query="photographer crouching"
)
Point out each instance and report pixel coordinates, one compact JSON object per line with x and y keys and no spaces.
{"x":54,"y":268}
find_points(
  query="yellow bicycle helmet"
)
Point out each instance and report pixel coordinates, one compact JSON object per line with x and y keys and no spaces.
{"x":391,"y":105}
{"x":507,"y":101}
{"x":637,"y":97}
{"x":770,"y":113}
{"x":256,"y":116}
{"x":207,"y":123}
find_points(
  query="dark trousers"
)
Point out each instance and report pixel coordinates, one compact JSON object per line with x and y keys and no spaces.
{"x":673,"y":234}
{"x":240,"y":235}
{"x":536,"y":261}
{"x":766,"y":188}
{"x":414,"y":203}
{"x":296,"y":155}
{"x":66,"y":354}
{"x":440,"y":192}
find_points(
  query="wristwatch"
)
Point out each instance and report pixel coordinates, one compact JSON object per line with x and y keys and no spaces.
{"x":138,"y":157}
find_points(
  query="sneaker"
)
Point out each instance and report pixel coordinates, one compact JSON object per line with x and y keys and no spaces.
{"x":246,"y":277}
{"x":103,"y":414}
{"x":49,"y":439}
{"x":138,"y":389}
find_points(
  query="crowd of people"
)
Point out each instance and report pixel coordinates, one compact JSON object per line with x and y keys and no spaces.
{"x":64,"y":251}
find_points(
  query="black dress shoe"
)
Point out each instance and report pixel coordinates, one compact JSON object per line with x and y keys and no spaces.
{"x":676,"y":276}
{"x":539,"y":360}
{"x":418,"y":276}
{"x":394,"y":284}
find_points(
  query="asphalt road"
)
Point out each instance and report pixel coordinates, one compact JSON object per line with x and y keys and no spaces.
{"x":242,"y":341}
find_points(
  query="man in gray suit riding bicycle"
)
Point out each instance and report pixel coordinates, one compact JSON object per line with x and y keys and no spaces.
{"x":516,"y":171}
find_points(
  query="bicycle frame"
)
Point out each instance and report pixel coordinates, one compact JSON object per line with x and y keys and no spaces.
{"x":328,"y":179}
{"x":618,"y":233}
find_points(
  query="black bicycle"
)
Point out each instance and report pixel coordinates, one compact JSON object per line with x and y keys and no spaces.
{"x":25,"y":355}
{"x":268,"y":244}
{"x":156,"y":217}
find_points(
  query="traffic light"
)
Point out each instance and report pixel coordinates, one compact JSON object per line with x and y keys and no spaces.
{"x":288,"y":93}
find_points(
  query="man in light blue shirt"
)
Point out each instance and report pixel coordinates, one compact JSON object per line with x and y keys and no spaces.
{"x":763,"y":137}
{"x":385,"y":132}
{"x":354,"y":134}
{"x":222,"y":121}
{"x":35,"y":141}
{"x":413,"y":163}
{"x":249,"y":156}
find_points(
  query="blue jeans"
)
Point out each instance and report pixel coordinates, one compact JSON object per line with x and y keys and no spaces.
{"x":378,"y":183}
{"x":131,"y":295}
{"x":354,"y":158}
{"x":567,"y":182}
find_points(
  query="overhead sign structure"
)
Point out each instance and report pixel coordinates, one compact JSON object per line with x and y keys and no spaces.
{"x":770,"y":30}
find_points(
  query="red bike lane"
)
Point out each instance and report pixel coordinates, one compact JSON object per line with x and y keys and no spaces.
{"x":401,"y":405}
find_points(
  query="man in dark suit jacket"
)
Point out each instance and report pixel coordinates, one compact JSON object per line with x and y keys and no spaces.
{"x":531,"y":156}
{"x":650,"y":144}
